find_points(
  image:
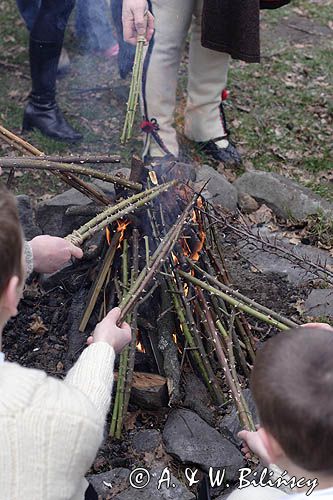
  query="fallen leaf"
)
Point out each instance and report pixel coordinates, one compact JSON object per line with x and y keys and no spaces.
{"x":37,"y":326}
{"x":261,"y":216}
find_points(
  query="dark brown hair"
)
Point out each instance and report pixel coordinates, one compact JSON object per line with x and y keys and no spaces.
{"x":11,"y":241}
{"x":292,"y":384}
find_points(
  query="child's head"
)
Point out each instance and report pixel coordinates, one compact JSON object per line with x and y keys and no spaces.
{"x":11,"y":261}
{"x":292,"y":384}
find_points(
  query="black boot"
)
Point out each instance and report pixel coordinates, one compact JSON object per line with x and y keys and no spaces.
{"x":42,"y":111}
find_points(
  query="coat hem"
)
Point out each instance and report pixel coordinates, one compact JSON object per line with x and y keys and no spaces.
{"x":235,"y":54}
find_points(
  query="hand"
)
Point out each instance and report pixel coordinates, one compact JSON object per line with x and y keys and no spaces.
{"x":137,"y":21}
{"x":252,"y":442}
{"x":51,"y":253}
{"x":324,"y":326}
{"x":108,"y":331}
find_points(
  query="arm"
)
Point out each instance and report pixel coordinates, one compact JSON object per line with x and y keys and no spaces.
{"x":137,"y":21}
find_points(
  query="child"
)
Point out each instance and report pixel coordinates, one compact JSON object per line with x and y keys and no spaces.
{"x":50,"y":430}
{"x":292,"y":384}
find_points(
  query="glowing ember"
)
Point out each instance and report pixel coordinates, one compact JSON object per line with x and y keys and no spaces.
{"x":139,"y":347}
{"x":108,"y":235}
{"x":175,"y":259}
{"x":153,"y":177}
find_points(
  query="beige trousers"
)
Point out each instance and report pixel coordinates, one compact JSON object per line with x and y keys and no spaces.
{"x":207,"y":76}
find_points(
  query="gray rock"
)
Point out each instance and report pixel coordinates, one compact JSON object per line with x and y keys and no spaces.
{"x":284,"y":196}
{"x":199,"y":404}
{"x":191,"y":440}
{"x":230,"y":425}
{"x":320,"y":303}
{"x":151,"y":492}
{"x":269,"y":262}
{"x":51,"y":217}
{"x":104,"y":186}
{"x":106,"y":482}
{"x":146,"y":440}
{"x":27,"y":217}
{"x":246,"y":203}
{"x":218,"y":190}
{"x":107,"y":187}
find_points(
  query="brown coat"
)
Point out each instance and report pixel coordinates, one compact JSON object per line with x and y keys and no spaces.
{"x":232,"y":26}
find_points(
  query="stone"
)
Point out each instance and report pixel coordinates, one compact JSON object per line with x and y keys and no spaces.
{"x":176,"y":491}
{"x":246,"y":203}
{"x":191,"y":440}
{"x":27,"y":217}
{"x":106,"y":482}
{"x":218,"y":190}
{"x":146,"y":440}
{"x":201,"y":403}
{"x":319,"y":303}
{"x":284,"y":196}
{"x":269,"y":262}
{"x":50,"y":214}
{"x":230,"y":425}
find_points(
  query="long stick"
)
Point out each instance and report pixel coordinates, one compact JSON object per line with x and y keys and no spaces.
{"x":100,"y":281}
{"x":116,"y":212}
{"x":24,"y":146}
{"x":53,"y":166}
{"x":243,"y":298}
{"x":234,"y":302}
{"x":156,"y":262}
{"x":82,"y":159}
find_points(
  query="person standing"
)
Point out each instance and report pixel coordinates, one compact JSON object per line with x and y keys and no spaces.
{"x":219,"y":30}
{"x":47,"y":21}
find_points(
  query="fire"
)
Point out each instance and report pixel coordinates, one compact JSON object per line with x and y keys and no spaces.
{"x":185,"y":247}
{"x":122,"y":225}
{"x":175,"y":259}
{"x":139,"y":347}
{"x":108,"y":235}
{"x":196,"y":254}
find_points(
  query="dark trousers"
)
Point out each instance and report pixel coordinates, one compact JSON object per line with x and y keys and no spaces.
{"x":90,"y":494}
{"x":46,"y":19}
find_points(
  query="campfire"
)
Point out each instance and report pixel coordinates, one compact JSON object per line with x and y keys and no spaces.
{"x":160,"y":259}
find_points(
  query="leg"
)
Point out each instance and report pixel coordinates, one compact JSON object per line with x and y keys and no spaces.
{"x":28,"y":10}
{"x":46,"y":41}
{"x":208,"y":72}
{"x":172,"y":22}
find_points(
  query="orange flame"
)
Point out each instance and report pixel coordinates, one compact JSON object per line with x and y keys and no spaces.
{"x":196,"y":254}
{"x":122,"y":225}
{"x":108,"y":235}
{"x":139,"y":347}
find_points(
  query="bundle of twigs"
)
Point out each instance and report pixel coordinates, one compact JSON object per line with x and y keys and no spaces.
{"x":135,"y":90}
{"x":210,"y":316}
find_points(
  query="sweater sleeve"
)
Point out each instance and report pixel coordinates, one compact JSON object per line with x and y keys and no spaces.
{"x":92,"y":374}
{"x":29,"y":258}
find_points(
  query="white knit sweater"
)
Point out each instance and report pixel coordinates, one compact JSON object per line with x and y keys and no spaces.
{"x":50,"y":430}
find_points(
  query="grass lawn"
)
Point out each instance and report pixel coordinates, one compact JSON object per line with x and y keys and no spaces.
{"x":280,"y":112}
